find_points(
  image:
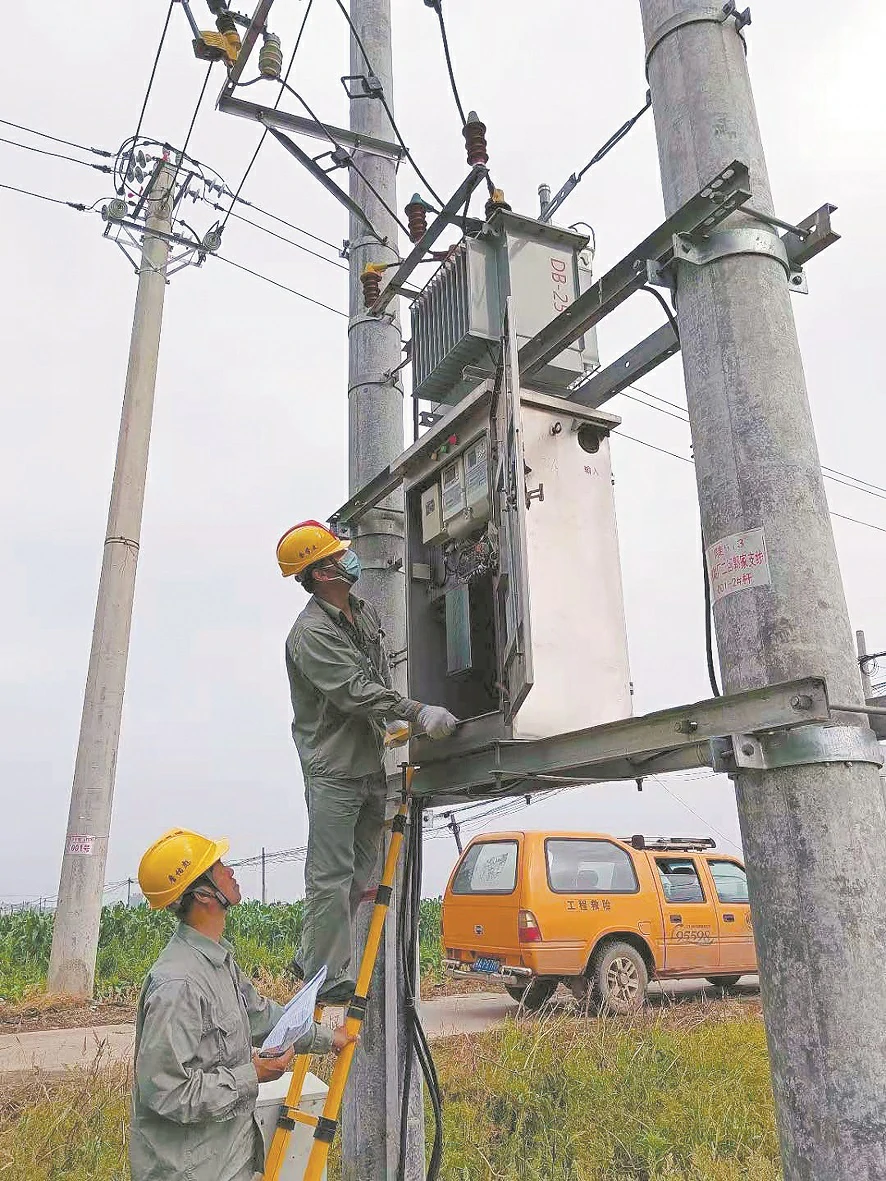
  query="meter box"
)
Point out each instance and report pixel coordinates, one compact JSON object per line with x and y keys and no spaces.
{"x":515,"y":613}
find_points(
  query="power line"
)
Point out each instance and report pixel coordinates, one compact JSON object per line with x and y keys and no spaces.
{"x":390,"y":114}
{"x":697,"y":815}
{"x":193,"y":121}
{"x":55,"y":139}
{"x":239,"y":216}
{"x":153,"y":72}
{"x":829,"y":473}
{"x":56,"y":155}
{"x":264,"y":134}
{"x":282,"y":286}
{"x":437,"y":6}
{"x":674,"y":455}
{"x":283,"y":222}
{"x":42,"y":197}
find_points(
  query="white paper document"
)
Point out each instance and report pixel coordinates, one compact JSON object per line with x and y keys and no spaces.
{"x":297,"y":1017}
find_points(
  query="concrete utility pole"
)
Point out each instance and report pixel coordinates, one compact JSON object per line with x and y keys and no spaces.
{"x":815,"y":836}
{"x":370,"y":1121}
{"x":78,"y":911}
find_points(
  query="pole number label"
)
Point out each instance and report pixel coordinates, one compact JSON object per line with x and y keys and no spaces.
{"x":738,"y":562}
{"x":80,"y":843}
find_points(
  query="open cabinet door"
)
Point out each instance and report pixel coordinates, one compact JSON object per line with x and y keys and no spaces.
{"x":511,"y":584}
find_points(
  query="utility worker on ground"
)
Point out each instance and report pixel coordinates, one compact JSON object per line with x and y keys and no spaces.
{"x":196,"y":1073}
{"x":342,"y":698}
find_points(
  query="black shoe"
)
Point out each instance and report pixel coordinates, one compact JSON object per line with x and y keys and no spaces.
{"x":339,"y":992}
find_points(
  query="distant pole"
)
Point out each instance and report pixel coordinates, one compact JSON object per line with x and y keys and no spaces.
{"x":814,"y":834}
{"x":128,"y":890}
{"x":866,"y":682}
{"x":264,"y":885}
{"x":78,"y":909}
{"x":455,"y":829}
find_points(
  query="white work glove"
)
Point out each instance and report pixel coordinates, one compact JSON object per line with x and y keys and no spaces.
{"x":436,"y":721}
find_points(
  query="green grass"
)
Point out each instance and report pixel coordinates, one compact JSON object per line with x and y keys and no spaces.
{"x":674,"y":1097}
{"x":265,"y":938}
{"x":680,"y":1095}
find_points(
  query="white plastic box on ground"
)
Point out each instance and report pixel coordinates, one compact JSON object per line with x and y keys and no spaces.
{"x":581,"y":675}
{"x":270,"y":1098}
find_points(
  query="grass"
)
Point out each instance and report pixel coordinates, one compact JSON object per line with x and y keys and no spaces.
{"x":265,"y":938}
{"x":677,"y":1095}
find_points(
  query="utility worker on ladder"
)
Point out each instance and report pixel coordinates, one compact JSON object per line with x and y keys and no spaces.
{"x":342,"y":698}
{"x":196,"y":1073}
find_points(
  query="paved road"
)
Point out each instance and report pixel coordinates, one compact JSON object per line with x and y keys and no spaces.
{"x":56,"y":1050}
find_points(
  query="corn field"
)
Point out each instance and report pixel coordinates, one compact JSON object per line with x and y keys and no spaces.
{"x":265,"y":938}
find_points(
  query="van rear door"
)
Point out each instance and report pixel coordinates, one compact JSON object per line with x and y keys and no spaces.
{"x":481,"y":905}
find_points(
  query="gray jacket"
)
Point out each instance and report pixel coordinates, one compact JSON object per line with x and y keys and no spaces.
{"x":195,"y":1086}
{"x":340,"y":684}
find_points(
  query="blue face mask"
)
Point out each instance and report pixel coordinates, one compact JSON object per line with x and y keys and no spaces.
{"x":349,"y":564}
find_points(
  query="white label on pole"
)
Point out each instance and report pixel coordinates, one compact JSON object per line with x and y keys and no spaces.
{"x":79,"y":843}
{"x":738,"y":562}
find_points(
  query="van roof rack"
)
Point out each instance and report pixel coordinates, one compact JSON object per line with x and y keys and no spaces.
{"x":684,"y":844}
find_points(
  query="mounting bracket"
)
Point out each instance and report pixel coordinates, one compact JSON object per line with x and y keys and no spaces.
{"x":695,"y":16}
{"x":798,"y":747}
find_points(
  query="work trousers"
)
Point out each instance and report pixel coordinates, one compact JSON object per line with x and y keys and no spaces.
{"x":345,"y":824}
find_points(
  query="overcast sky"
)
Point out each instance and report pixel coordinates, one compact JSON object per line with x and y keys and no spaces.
{"x":250,"y":424}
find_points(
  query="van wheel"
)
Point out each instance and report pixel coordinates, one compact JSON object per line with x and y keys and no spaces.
{"x":619,"y":979}
{"x":724,"y":981}
{"x":533,"y":996}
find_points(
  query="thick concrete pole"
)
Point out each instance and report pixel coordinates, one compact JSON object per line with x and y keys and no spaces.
{"x":370,"y":1122}
{"x":78,"y":911}
{"x":815,"y":836}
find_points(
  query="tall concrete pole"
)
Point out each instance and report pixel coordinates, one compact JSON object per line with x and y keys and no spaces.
{"x":78,"y":911}
{"x":815,"y":836}
{"x":370,"y":1121}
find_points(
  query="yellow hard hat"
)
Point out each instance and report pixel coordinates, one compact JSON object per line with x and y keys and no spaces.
{"x":175,"y":862}
{"x":307,"y":543}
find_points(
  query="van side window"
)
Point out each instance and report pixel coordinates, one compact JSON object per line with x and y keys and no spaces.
{"x":731,"y":881}
{"x":488,"y":868}
{"x":679,"y":879}
{"x":589,"y":867}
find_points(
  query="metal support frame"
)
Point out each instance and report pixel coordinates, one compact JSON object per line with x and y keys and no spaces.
{"x":654,"y":260}
{"x":668,"y":740}
{"x":283,"y":120}
{"x":726,"y":192}
{"x":446,"y":216}
{"x":323,"y":177}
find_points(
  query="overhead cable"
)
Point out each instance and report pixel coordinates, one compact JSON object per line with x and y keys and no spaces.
{"x":384,"y":102}
{"x":56,"y":155}
{"x":42,"y":197}
{"x":292,"y":291}
{"x":68,"y":143}
{"x":437,"y":6}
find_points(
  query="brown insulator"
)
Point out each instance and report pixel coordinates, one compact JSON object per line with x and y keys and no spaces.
{"x":475,"y":140}
{"x":371,"y":280}
{"x":417,"y":217}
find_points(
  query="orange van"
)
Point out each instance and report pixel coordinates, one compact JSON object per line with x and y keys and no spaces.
{"x":600,"y":914}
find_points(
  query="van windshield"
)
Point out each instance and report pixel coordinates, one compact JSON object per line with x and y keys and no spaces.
{"x":488,"y":868}
{"x":589,"y":867}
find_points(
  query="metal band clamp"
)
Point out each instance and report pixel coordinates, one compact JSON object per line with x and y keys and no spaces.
{"x":742,"y":240}
{"x":800,"y":747}
{"x":695,"y":16}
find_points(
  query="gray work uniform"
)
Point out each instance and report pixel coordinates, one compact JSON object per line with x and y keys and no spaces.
{"x":342,"y":696}
{"x":195,"y":1086}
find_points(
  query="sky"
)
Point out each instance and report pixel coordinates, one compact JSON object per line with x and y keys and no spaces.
{"x":250,"y":422}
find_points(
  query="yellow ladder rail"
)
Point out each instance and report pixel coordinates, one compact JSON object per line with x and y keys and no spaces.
{"x":326,"y":1124}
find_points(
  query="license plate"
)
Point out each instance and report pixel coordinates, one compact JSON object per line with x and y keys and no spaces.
{"x":485,"y":964}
